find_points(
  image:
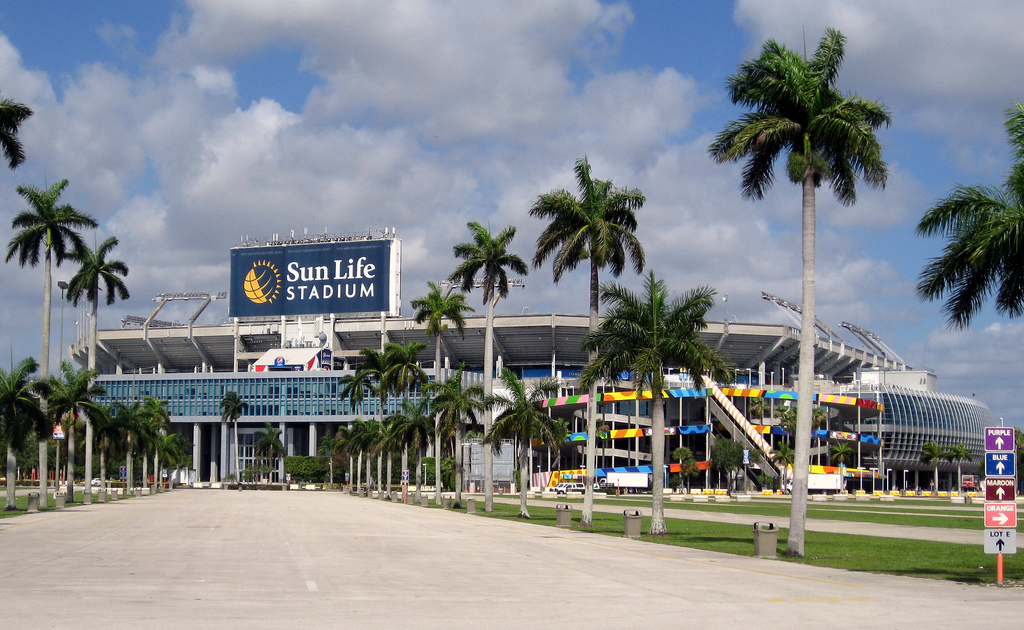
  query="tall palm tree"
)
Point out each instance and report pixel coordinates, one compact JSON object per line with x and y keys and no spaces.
{"x":12,"y":114}
{"x":73,"y":395}
{"x":598,"y":226}
{"x":646,"y":334}
{"x":128,"y":421}
{"x":373,"y":434}
{"x":158,"y":420}
{"x":96,"y":274}
{"x":932,"y":453}
{"x":19,"y":412}
{"x":958,"y":453}
{"x":176,"y":450}
{"x":403,"y":374}
{"x":486,"y":260}
{"x":232,"y":407}
{"x":454,"y":404}
{"x":357,"y":443}
{"x":51,"y":228}
{"x":331,"y":445}
{"x":106,"y":437}
{"x":433,"y":309}
{"x":826,"y":136}
{"x":522,"y":419}
{"x":983,"y":226}
{"x":268,"y":446}
{"x":415,"y":428}
{"x":841,"y":453}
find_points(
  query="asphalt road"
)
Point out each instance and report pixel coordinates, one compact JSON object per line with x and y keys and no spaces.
{"x":222,"y":559}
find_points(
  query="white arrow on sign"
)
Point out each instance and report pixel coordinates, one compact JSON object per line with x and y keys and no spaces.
{"x":1000,"y":467}
{"x":999,"y":443}
{"x":1000,"y":518}
{"x":1000,"y":492}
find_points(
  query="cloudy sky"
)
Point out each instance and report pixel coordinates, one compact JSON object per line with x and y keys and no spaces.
{"x":184,"y":127}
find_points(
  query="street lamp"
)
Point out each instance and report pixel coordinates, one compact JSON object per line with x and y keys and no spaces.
{"x":63,"y":287}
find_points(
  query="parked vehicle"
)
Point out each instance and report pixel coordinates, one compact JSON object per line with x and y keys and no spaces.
{"x":566,"y":487}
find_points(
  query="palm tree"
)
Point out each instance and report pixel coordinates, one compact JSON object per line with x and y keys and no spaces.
{"x":176,"y":449}
{"x":958,"y":453}
{"x":72,"y":396}
{"x":357,"y":444}
{"x":157,"y":421}
{"x":599,"y":226}
{"x":984,"y":249}
{"x":232,"y":407}
{"x":96,"y":274}
{"x":19,"y":412}
{"x":646,"y":334}
{"x":12,"y":114}
{"x":415,"y":428}
{"x":932,"y":453}
{"x":841,"y":453}
{"x":49,"y":227}
{"x":331,"y":445}
{"x":487,"y":258}
{"x":268,"y":446}
{"x":826,"y":136}
{"x":372,"y":437}
{"x":433,"y":309}
{"x":454,"y":404}
{"x":522,"y":419}
{"x":404,"y":373}
{"x":128,"y":421}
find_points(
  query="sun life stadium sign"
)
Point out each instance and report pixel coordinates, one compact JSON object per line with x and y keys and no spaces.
{"x":340,"y":276}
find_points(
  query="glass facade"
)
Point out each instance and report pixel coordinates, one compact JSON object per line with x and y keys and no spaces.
{"x":273,"y":396}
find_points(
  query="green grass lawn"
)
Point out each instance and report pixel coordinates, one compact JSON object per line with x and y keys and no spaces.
{"x":21,"y":503}
{"x":940,"y":561}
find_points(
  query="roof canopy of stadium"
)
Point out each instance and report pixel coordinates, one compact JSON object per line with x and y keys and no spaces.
{"x":529,"y":341}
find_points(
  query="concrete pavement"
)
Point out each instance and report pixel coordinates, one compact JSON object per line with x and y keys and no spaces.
{"x":208,"y":558}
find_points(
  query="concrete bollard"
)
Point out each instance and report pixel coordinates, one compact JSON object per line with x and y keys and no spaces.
{"x":87,"y":498}
{"x":59,"y":498}
{"x":33,"y":502}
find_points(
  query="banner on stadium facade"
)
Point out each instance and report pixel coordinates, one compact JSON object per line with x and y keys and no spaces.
{"x":345,"y":277}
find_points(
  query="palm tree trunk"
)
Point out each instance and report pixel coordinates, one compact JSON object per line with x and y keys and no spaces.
{"x":44,"y":469}
{"x":488,"y":414}
{"x":805,"y":386}
{"x":70,"y":498}
{"x":88,"y":423}
{"x":405,"y":458}
{"x":524,"y":471}
{"x":238,"y":471}
{"x":437,"y":428}
{"x":380,"y":477}
{"x":12,"y":470}
{"x":145,"y":470}
{"x":460,"y":433}
{"x":128,"y":470}
{"x":587,"y":518}
{"x":103,"y":466}
{"x":657,"y":463}
{"x":387,"y":486}
{"x":44,"y":371}
{"x":419,"y":475}
{"x":359,"y":471}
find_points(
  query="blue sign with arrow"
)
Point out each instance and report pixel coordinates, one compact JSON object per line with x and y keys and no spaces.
{"x":1001,"y":464}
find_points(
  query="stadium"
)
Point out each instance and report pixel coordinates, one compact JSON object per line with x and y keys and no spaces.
{"x":300,"y":311}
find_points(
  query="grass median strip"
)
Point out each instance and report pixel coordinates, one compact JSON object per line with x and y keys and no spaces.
{"x":894,"y":556}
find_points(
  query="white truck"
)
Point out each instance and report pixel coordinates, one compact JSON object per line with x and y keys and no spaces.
{"x":630,"y":480}
{"x":818,"y":482}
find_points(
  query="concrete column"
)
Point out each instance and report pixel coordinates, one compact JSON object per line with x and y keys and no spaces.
{"x":215,"y":468}
{"x":312,"y":439}
{"x":196,"y":435}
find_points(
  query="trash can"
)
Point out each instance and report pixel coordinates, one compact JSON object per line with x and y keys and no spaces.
{"x":470,"y":506}
{"x":424,"y":500}
{"x":631,"y":523}
{"x":563,"y":515}
{"x":33,"y":502}
{"x":101,"y":496}
{"x":447,"y":503}
{"x":766,"y":540}
{"x":59,"y":498}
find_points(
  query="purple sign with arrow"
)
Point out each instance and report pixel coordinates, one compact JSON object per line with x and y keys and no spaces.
{"x":999,"y":439}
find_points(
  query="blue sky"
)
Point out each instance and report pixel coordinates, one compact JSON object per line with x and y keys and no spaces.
{"x":184,"y":126}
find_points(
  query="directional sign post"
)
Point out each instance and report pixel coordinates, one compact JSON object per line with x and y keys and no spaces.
{"x":1000,"y":494}
{"x":1000,"y":541}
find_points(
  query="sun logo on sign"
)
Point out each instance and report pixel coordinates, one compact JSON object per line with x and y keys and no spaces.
{"x":263,"y":282}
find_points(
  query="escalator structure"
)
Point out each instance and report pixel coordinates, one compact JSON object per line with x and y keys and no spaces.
{"x":741,"y":430}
